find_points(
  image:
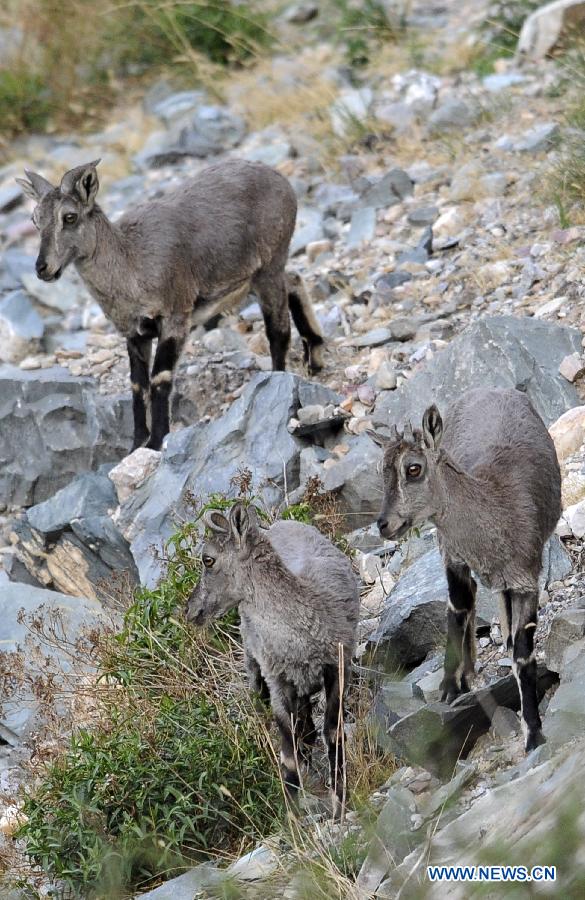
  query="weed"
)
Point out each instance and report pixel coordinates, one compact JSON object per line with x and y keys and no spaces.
{"x":24,"y":102}
{"x":362,"y":28}
{"x":179,"y":763}
{"x":67,"y":59}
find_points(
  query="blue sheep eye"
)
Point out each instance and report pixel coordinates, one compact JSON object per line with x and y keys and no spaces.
{"x":208,"y":561}
{"x":414,"y":470}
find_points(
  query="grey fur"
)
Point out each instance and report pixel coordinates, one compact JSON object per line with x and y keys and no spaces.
{"x":298,"y":601}
{"x":176,"y":261}
{"x":491,"y":484}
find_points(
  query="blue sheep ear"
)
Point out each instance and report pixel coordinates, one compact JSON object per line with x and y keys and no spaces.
{"x":380,"y":439}
{"x":239,"y":522}
{"x":216,"y":521}
{"x":432,"y":427}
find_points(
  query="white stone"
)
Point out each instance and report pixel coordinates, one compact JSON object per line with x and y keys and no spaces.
{"x":574,"y":516}
{"x":385,"y":378}
{"x":450,"y":223}
{"x":572,"y":367}
{"x":568,"y":432}
{"x":133,"y":470}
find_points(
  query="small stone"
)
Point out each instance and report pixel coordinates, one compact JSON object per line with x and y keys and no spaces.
{"x":374,"y":338}
{"x":568,"y":432}
{"x":452,"y":115}
{"x":424,"y":215}
{"x":574,"y":516}
{"x":362,"y":227}
{"x":541,"y":137}
{"x":449,"y":223}
{"x":310,"y":415}
{"x":385,"y":378}
{"x":258,"y":864}
{"x":366,"y":394}
{"x":572,"y":367}
{"x":505,"y":722}
{"x":133,"y":470}
{"x":301,"y":13}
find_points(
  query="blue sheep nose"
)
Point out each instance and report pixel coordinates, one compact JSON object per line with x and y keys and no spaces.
{"x":382,"y":523}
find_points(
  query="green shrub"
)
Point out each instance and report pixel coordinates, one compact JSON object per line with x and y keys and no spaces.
{"x":151,"y":33}
{"x":179,"y":765}
{"x":24,"y":102}
{"x":69,"y":59}
{"x":363,"y":27}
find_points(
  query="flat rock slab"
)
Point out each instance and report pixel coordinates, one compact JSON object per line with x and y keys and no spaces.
{"x":186,"y":886}
{"x":498,"y":351}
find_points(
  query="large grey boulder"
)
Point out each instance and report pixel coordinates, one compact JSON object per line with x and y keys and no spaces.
{"x":208,"y":131}
{"x":357,"y":482}
{"x":414,"y":617}
{"x":202,"y":460}
{"x":54,"y":426}
{"x":71,"y":544}
{"x":498,"y":351}
{"x":526,"y":816}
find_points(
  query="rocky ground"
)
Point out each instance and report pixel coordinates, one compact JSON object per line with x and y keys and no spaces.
{"x":436,"y":262}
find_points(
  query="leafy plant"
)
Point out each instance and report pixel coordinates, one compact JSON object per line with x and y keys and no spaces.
{"x":68,"y":61}
{"x":180,"y":764}
{"x":24,"y":101}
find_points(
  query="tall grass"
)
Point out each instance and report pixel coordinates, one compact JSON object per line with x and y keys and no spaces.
{"x":70,"y":55}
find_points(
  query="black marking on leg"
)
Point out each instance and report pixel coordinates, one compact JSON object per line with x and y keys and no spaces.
{"x":508,"y":614}
{"x":139,"y":348}
{"x":525,"y":606}
{"x":460,"y":649}
{"x":285,"y":716}
{"x":279,"y":340}
{"x":333,"y":734}
{"x":257,"y":683}
{"x":306,"y":731}
{"x":311,"y":338}
{"x":149,"y":328}
{"x":165,"y":360}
